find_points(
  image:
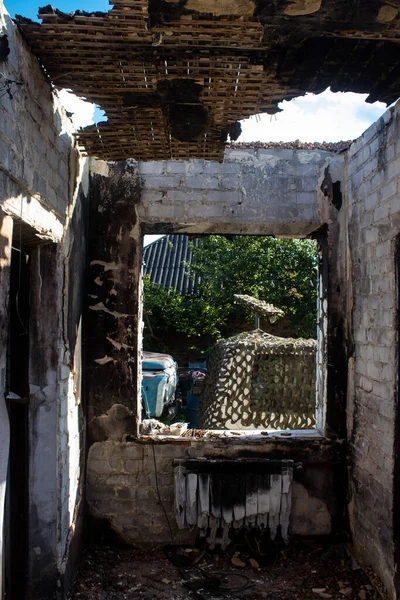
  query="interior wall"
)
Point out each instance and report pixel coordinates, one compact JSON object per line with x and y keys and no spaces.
{"x":6,"y":230}
{"x":123,"y":497}
{"x":44,"y":185}
{"x":266,"y":191}
{"x":35,"y":139}
{"x":120,"y":484}
{"x":373,"y":217}
{"x":113,"y":314}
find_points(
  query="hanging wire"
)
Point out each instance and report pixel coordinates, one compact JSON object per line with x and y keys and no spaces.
{"x":159,"y":496}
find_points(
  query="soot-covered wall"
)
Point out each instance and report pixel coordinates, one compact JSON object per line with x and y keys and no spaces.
{"x":113,"y":313}
{"x":373,"y":215}
{"x":121,"y":472}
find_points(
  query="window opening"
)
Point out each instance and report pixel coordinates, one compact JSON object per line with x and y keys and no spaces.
{"x":230,"y":334}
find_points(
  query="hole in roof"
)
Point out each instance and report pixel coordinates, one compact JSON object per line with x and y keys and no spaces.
{"x":325,"y":117}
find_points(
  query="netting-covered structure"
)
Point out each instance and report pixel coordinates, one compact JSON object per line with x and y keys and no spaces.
{"x":260,"y":381}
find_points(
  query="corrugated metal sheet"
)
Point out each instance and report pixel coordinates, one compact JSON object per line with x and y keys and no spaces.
{"x":164,"y":262}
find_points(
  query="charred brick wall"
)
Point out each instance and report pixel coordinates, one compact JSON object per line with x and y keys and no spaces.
{"x":131,"y":483}
{"x":373,"y":215}
{"x":113,"y":368}
{"x":121,"y":483}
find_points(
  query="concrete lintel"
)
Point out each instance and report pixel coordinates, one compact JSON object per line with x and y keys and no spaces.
{"x":27,"y":208}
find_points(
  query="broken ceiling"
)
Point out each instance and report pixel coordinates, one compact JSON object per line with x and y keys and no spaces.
{"x":175,"y":76}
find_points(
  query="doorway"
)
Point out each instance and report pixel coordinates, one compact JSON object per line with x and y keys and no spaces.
{"x":16,"y":520}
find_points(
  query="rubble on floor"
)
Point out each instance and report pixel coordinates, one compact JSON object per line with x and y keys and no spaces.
{"x":302,"y":571}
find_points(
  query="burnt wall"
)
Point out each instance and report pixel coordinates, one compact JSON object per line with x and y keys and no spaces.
{"x":267,"y":191}
{"x":35,"y":139}
{"x":6,"y":231}
{"x":121,"y":484}
{"x":44,"y":189}
{"x":43,"y":419}
{"x":112,"y":316}
{"x":373,"y":215}
{"x":57,"y":406}
{"x":122,"y":488}
{"x":73,"y":400}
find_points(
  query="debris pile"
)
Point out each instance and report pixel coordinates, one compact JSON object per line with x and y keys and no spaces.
{"x":301,"y":572}
{"x":296,"y":145}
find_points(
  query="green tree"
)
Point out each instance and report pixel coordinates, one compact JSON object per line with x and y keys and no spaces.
{"x":282,"y":272}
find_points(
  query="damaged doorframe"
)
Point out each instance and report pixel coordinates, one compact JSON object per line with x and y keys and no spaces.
{"x":319,"y":433}
{"x":396,"y":486}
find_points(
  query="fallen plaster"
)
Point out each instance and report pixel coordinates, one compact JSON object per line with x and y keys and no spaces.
{"x":114,"y":313}
{"x":113,"y":425}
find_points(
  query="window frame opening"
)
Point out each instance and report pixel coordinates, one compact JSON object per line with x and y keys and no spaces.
{"x":317,"y":433}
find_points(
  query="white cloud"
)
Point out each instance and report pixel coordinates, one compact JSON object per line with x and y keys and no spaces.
{"x":325,"y":117}
{"x":83,"y":112}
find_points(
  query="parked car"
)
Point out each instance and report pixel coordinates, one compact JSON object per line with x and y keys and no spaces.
{"x":160,"y":394}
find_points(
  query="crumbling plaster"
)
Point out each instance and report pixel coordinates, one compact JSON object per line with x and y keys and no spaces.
{"x":44,"y":184}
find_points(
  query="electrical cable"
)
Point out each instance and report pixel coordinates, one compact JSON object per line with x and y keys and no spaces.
{"x":217,"y":581}
{"x":159,"y":495}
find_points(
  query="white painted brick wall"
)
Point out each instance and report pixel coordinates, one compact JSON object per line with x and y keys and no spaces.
{"x":35,"y":133}
{"x":373,"y":170}
{"x":263,"y":191}
{"x":36,"y":150}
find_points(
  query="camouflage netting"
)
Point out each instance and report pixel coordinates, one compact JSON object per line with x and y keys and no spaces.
{"x":259,"y":381}
{"x":260,"y":306}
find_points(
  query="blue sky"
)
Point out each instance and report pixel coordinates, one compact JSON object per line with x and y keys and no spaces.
{"x":30,"y":8}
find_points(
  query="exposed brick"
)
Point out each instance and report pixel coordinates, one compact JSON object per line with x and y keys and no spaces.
{"x":175,"y":166}
{"x":201,"y":182}
{"x":132,"y":466}
{"x":257,"y":190}
{"x":389,"y":190}
{"x":372,"y":255}
{"x":152,"y":168}
{"x":162,"y":181}
{"x":229,"y":168}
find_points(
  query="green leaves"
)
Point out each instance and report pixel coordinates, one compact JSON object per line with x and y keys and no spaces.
{"x":166,"y":311}
{"x":282,"y":272}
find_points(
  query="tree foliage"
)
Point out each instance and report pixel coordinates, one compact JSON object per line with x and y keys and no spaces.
{"x":281,"y":272}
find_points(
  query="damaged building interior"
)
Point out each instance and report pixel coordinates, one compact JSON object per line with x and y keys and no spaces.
{"x":175,"y":78}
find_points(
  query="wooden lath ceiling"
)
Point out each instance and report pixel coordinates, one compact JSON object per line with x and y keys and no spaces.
{"x":135,"y":66}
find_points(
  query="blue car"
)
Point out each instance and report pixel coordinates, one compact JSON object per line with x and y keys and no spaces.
{"x":159,"y":386}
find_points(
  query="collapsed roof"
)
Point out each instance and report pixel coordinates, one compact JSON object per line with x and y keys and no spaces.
{"x":175,"y":76}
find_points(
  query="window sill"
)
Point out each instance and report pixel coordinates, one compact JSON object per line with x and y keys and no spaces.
{"x":241,"y":436}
